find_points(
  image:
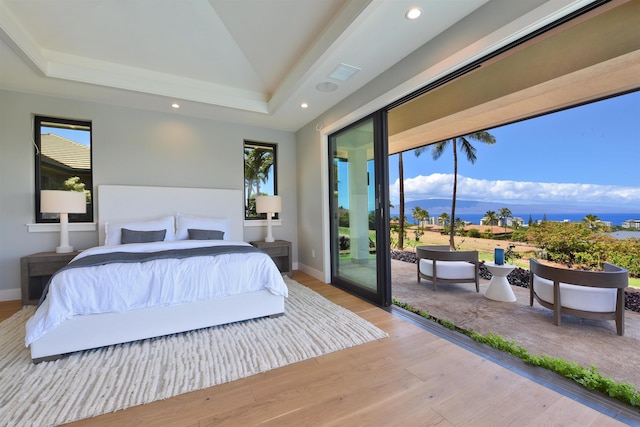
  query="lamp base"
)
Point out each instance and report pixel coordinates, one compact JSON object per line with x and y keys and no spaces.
{"x":269,"y":238}
{"x":64,"y":249}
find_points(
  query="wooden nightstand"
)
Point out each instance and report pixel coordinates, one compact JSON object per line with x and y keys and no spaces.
{"x":280,"y":253}
{"x":35,"y":271}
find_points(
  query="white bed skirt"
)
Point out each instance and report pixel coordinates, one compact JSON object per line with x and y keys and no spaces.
{"x":99,"y":330}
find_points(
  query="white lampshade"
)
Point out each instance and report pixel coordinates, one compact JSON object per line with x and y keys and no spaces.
{"x":64,"y":203}
{"x":268,"y":204}
{"x":57,"y":201}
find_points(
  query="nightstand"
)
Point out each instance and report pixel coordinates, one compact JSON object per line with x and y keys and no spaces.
{"x":35,"y":271}
{"x":280,"y":253}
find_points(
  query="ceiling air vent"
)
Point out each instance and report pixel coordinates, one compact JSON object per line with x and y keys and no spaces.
{"x":343,"y":72}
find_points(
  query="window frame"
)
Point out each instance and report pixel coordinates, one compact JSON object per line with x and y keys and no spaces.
{"x":273,"y":147}
{"x":38,"y":122}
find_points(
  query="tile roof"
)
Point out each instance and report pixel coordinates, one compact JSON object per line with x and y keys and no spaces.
{"x":65,"y":151}
{"x":623,"y":234}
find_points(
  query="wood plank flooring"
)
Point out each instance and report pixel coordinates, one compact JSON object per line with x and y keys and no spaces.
{"x":411,"y":378}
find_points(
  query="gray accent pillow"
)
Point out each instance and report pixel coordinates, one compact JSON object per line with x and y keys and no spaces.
{"x":197,"y":234}
{"x":137,"y":236}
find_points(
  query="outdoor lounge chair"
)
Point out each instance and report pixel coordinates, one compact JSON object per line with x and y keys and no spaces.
{"x":439,"y":264}
{"x":587,"y":294}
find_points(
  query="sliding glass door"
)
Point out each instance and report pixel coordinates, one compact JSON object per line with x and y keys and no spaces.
{"x":359,"y":209}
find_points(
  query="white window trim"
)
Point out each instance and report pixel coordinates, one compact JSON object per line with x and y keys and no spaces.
{"x":262,"y":222}
{"x":55,"y":227}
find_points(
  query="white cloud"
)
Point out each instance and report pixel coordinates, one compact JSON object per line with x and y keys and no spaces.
{"x":438,"y":185}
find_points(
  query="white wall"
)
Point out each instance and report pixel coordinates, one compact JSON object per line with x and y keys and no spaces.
{"x":133,"y":147}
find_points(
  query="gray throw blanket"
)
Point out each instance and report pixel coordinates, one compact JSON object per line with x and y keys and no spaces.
{"x":142,"y":257}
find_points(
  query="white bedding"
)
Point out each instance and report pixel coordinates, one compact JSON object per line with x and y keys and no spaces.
{"x":121,"y":287}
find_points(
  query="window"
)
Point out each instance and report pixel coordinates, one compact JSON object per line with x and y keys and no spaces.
{"x":260,"y":172}
{"x":63,"y":162}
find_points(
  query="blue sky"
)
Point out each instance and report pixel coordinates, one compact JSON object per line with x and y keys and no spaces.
{"x":588,"y":155}
{"x":79,"y":136}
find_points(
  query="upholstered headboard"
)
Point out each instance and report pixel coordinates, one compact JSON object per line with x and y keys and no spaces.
{"x":119,"y":203}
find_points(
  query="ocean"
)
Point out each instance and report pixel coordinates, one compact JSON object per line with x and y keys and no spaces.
{"x":614,"y":218}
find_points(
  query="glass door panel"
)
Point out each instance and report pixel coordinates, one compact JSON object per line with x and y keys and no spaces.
{"x":356,"y":214}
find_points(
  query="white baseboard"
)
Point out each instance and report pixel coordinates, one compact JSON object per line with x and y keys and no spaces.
{"x":10,"y":294}
{"x":311,"y":271}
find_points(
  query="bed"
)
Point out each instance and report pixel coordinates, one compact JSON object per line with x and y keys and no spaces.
{"x":168,"y":298}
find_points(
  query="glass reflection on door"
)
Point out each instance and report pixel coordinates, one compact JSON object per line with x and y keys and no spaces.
{"x":353,"y":207}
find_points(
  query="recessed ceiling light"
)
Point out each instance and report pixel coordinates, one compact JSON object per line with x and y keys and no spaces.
{"x":304,"y":105}
{"x":326,"y":87}
{"x":175,"y":105}
{"x":413,"y":13}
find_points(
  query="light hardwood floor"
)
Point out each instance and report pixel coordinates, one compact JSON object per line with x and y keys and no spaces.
{"x":411,"y":378}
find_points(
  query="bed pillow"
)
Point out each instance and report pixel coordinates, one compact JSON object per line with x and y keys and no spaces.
{"x":138,"y":236}
{"x":113,"y":231}
{"x":198,"y":234}
{"x":184,"y":222}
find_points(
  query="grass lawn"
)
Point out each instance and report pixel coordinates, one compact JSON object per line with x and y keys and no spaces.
{"x":472,"y":243}
{"x":347,"y":232}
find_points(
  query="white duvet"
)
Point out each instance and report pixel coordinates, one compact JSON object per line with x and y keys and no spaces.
{"x":127,"y":286}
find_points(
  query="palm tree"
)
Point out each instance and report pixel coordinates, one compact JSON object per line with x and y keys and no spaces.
{"x":469,"y":150}
{"x":420,"y":215}
{"x":424,"y":216}
{"x":444,"y":219}
{"x":592,"y":221}
{"x":415,"y":214}
{"x":491,"y":218}
{"x":505,"y":214}
{"x":257,"y":164}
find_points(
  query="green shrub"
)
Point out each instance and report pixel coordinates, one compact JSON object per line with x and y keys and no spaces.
{"x":575,"y":243}
{"x":474,"y":232}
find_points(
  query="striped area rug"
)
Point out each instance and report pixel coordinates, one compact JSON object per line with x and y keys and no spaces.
{"x":90,"y":383}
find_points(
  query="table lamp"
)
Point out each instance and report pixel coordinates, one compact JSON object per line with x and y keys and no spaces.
{"x":63,"y":203}
{"x":268,"y":205}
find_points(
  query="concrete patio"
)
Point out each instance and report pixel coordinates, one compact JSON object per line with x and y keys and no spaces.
{"x":587,"y":342}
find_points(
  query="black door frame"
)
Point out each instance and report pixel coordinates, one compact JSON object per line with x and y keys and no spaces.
{"x":382,"y":295}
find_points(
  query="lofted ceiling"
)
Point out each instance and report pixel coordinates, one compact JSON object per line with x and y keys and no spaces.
{"x":254,"y":61}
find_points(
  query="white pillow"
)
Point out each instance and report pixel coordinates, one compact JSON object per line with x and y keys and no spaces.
{"x":113,"y":230}
{"x":184,"y":222}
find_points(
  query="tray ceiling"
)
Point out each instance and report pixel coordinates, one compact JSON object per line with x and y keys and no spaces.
{"x":249,"y":60}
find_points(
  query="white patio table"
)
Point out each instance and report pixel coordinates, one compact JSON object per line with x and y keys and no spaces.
{"x":499,"y":287}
